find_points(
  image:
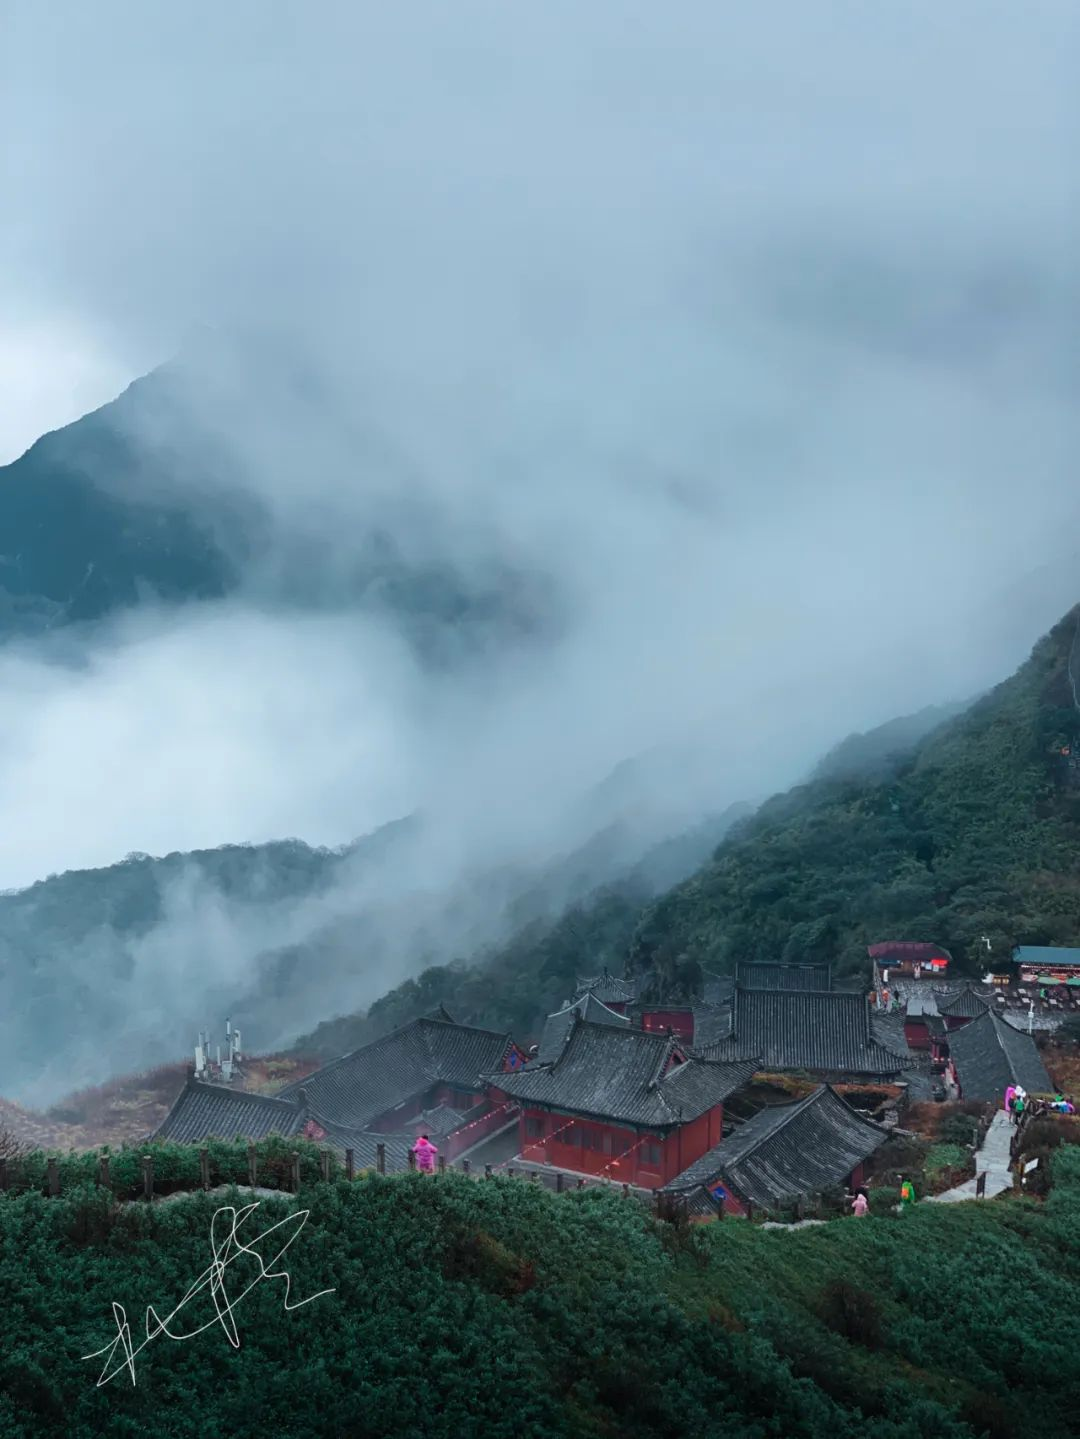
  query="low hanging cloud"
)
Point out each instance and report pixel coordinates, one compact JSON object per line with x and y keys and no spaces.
{"x":719,"y":369}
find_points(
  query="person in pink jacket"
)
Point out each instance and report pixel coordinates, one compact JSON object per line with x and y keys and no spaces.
{"x":425,"y":1153}
{"x":860,"y":1204}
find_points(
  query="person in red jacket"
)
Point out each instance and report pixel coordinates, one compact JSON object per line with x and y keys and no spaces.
{"x":425,"y":1153}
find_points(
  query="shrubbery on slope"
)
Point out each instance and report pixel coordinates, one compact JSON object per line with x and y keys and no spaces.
{"x":495,"y":1307}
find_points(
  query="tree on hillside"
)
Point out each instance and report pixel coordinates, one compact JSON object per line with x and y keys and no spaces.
{"x":10,"y":1148}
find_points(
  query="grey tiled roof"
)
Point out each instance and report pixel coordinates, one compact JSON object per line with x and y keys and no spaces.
{"x":920,"y":1083}
{"x":698,"y":1203}
{"x":557,"y":1026}
{"x":965,"y":1003}
{"x":888,"y":1030}
{"x":401,"y":1066}
{"x":364,"y":1144}
{"x":788,"y":1150}
{"x":717,"y":988}
{"x":213,"y":1111}
{"x":990,"y":1055}
{"x":608,"y":988}
{"x":712,"y":1023}
{"x":622,"y":1075}
{"x":792,"y":1029}
{"x":783,"y":976}
{"x":443,"y":1119}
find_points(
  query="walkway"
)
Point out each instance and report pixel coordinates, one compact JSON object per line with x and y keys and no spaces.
{"x":992,"y":1159}
{"x":496,"y":1148}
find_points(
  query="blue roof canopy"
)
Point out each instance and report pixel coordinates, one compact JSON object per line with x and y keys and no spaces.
{"x":1046,"y":954}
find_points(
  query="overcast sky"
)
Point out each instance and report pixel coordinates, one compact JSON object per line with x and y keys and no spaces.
{"x":753,"y":326}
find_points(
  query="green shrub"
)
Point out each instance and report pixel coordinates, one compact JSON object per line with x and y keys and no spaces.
{"x":960,"y":1129}
{"x":852,"y":1313}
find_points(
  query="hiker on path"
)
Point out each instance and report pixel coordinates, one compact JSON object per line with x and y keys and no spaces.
{"x":1019,"y":1105}
{"x":907,"y":1195}
{"x":425,"y":1153}
{"x":860,"y":1204}
{"x":1010,"y":1095}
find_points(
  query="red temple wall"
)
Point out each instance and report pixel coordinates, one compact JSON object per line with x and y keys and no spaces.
{"x":679,"y":1021}
{"x":688,"y":1143}
{"x":590,"y":1147}
{"x":916,"y":1034}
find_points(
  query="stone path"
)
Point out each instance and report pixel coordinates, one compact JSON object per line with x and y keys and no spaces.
{"x":799,"y":1224}
{"x":992,"y":1159}
{"x":244,"y":1189}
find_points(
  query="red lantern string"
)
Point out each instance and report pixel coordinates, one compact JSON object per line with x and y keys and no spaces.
{"x":502,"y":1164}
{"x":620,"y":1157}
{"x":482,"y":1120}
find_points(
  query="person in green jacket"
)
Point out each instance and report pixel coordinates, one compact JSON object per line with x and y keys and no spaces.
{"x":907,"y":1195}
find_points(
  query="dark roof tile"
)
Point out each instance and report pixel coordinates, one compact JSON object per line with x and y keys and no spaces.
{"x":212,"y":1111}
{"x":793,"y":1029}
{"x":623,"y":1075}
{"x":557,"y":1026}
{"x":783,"y":976}
{"x":399,"y":1067}
{"x":965,"y":1003}
{"x":712,"y":1023}
{"x":608,"y":988}
{"x":888,"y":1030}
{"x":717,"y":988}
{"x":788,"y":1150}
{"x":990,"y":1055}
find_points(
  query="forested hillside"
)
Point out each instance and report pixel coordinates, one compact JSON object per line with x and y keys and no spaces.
{"x":971,"y":830}
{"x":120,"y":966}
{"x":497,"y":1308}
{"x":512,"y":984}
{"x":976,"y":833}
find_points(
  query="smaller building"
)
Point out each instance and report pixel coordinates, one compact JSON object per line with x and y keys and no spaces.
{"x":558,"y":1026}
{"x":961,"y":1007}
{"x":783,"y":1152}
{"x":907,"y":959}
{"x":923,"y":1026}
{"x":989,"y":1054}
{"x":1045,"y":965}
{"x":609,"y":989}
{"x":205,"y":1111}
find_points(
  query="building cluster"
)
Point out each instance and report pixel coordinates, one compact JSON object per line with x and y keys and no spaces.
{"x":979,"y":1038}
{"x":680,"y":1099}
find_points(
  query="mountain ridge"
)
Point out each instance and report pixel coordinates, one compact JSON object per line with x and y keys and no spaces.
{"x":154,"y":495}
{"x":974,"y":830}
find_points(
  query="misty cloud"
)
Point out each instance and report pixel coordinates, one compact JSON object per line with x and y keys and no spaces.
{"x":732,"y":352}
